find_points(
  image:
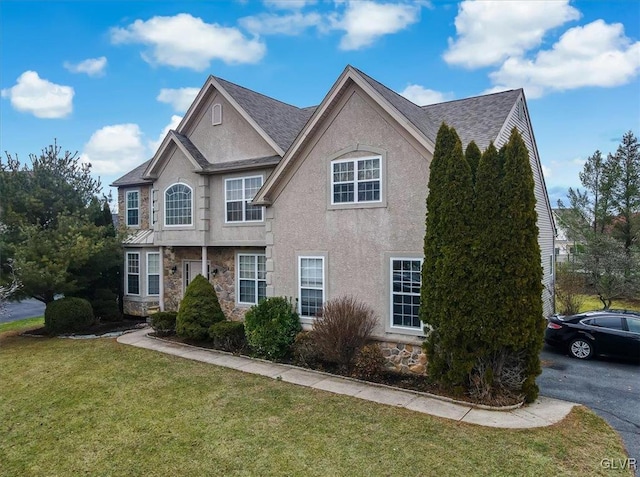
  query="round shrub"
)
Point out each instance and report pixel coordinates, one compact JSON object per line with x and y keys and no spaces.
{"x":164,"y":322}
{"x":67,"y":315}
{"x":228,"y":336}
{"x":344,"y":327}
{"x":271,"y":327}
{"x":368,"y":363}
{"x":199,"y":309}
{"x":105,"y":305}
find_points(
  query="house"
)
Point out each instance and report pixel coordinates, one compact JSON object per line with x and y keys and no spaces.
{"x":565,"y":249}
{"x":267,"y":199}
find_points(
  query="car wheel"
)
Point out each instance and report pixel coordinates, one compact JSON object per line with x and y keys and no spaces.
{"x":581,"y":348}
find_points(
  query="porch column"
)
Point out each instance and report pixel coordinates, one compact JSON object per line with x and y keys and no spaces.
{"x":161,"y":250}
{"x":204,"y":261}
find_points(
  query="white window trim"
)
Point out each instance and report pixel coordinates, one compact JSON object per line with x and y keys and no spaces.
{"x":355,"y":181}
{"x":244,"y":201}
{"x":324,"y":282}
{"x":150,"y":274}
{"x":214,"y":121}
{"x":190,"y":224}
{"x":154,"y":206}
{"x":127,"y":209}
{"x":128,"y":273}
{"x":256,"y":280}
{"x":391,"y":325}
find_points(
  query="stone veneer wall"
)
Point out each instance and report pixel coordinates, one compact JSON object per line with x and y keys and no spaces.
{"x":139,"y":308}
{"x":404,"y":358}
{"x":145,"y":211}
{"x":221,"y":259}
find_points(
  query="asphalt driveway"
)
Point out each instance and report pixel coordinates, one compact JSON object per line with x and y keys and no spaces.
{"x":611,"y":388}
{"x":17,"y":310}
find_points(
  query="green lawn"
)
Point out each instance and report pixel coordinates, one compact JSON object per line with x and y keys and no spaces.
{"x":22,"y":325}
{"x":591,"y":302}
{"x":95,"y":407}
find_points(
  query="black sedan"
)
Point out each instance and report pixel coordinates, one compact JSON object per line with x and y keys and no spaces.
{"x":607,"y":332}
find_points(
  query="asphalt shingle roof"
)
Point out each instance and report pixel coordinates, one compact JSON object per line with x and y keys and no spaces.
{"x":281,"y":121}
{"x":479,"y":118}
{"x":133,"y":177}
{"x":193,"y":150}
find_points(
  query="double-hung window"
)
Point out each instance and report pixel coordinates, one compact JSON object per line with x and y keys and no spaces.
{"x":238,"y":195}
{"x":406,"y":278}
{"x":133,"y":208}
{"x":356,"y":180}
{"x":311,"y":285}
{"x":178,"y":204}
{"x":133,"y":273}
{"x":153,"y":273}
{"x":252,"y":278}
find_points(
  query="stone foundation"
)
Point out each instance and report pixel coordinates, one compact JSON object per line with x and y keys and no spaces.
{"x":139,"y":308}
{"x":404,"y":358}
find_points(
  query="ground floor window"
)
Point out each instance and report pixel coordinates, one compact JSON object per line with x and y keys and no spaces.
{"x":153,"y":273}
{"x":406,"y":278}
{"x":252,"y":278}
{"x":311,"y":285}
{"x":133,"y":273}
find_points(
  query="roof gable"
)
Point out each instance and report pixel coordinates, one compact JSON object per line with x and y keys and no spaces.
{"x":407,"y":114}
{"x":183,"y":143}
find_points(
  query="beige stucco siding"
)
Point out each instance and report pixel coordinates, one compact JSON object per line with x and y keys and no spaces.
{"x":178,"y":169}
{"x":233,"y":140}
{"x":356,"y":243}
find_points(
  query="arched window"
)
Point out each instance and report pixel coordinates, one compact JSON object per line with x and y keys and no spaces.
{"x":178,"y":205}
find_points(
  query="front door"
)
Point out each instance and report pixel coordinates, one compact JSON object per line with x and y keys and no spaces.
{"x":190,"y":269}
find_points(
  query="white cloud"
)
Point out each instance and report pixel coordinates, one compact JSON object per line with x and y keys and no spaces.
{"x":183,"y":41}
{"x":271,"y":24}
{"x":90,"y":66}
{"x":42,"y":98}
{"x":180,"y":99}
{"x":546,"y":171}
{"x":491,"y":31}
{"x":288,"y":4}
{"x":366,"y":21}
{"x":154,"y":145}
{"x":597,"y":54}
{"x":115,"y":149}
{"x":423,"y":96}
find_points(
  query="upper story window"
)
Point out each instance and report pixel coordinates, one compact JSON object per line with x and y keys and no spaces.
{"x":356,"y":180}
{"x":133,"y":208}
{"x":238,"y":195}
{"x":178,"y":205}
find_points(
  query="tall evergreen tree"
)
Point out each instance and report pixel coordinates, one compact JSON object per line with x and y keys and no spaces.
{"x":523,"y":328}
{"x":472,"y":154}
{"x":489,"y":224}
{"x":430,"y":294}
{"x":450,"y":310}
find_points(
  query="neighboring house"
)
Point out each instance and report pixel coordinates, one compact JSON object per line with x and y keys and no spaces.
{"x":267,"y":199}
{"x":565,"y":249}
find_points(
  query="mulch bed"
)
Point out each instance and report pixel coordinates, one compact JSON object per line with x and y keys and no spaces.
{"x":412,"y":382}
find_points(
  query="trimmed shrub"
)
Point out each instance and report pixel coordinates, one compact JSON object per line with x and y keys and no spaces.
{"x":271,"y":327}
{"x":368,"y":363}
{"x":344,"y":327}
{"x":305,"y":351}
{"x":68,"y":314}
{"x":228,"y":336}
{"x":164,"y":322}
{"x":199,"y":309}
{"x":105,"y":305}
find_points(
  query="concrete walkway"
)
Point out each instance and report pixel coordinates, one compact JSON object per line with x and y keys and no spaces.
{"x":544,"y":412}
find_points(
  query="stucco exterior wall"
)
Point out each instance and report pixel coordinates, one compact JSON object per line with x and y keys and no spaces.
{"x":357,"y":243}
{"x":233,"y":140}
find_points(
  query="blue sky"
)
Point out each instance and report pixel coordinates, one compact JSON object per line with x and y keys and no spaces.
{"x":109,"y":78}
